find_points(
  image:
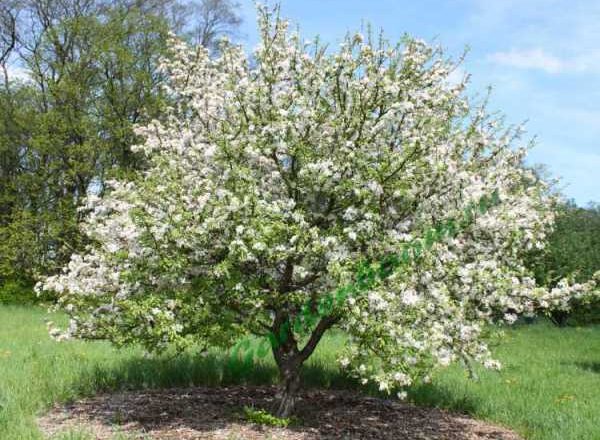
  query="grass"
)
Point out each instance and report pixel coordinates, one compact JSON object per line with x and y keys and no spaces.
{"x":548,"y":389}
{"x":262,"y":417}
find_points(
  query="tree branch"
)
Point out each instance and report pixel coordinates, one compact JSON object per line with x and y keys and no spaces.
{"x":323,"y":325}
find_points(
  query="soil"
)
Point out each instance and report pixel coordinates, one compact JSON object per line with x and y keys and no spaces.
{"x":216,"y":413}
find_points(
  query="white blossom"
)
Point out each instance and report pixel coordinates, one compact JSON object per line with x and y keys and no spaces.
{"x":271,"y":177}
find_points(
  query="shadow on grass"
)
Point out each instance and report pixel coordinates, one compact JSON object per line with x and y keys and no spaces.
{"x":439,"y":396}
{"x":218,"y":369}
{"x":181,"y":371}
{"x":215,"y":370}
{"x":594,"y":367}
{"x":212,"y":370}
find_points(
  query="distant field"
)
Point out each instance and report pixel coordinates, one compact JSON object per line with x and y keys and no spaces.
{"x":549,"y":388}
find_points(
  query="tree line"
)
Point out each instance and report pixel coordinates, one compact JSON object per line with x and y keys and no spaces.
{"x":573,"y":251}
{"x":66,"y":125}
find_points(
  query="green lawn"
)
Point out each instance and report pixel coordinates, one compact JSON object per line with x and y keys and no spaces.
{"x":548,"y":389}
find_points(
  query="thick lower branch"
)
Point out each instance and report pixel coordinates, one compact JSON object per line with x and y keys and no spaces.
{"x":323,"y":325}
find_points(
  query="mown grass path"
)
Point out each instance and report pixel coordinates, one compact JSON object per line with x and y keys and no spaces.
{"x":549,"y":388}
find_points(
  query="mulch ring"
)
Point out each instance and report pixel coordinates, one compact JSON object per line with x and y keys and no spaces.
{"x":216,"y":413}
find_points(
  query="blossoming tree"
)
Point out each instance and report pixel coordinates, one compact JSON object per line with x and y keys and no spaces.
{"x":270,"y":178}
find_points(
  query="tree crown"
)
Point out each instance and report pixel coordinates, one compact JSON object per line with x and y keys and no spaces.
{"x":272,"y":178}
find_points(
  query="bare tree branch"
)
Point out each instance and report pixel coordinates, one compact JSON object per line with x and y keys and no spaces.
{"x":214,"y":19}
{"x":8,"y":35}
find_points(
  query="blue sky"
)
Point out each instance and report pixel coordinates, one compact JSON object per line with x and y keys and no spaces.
{"x":542,"y":58}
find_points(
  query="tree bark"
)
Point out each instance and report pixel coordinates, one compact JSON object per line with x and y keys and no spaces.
{"x":289,"y":358}
{"x":559,"y":317}
{"x":290,"y":384}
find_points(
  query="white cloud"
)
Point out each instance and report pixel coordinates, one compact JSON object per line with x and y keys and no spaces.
{"x":539,"y":59}
{"x":536,"y":59}
{"x":545,"y":35}
{"x":587,"y":62}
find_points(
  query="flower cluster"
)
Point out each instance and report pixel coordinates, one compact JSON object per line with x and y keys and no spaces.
{"x":269,"y":177}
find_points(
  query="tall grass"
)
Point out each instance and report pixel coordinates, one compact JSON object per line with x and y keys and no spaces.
{"x":35,"y":371}
{"x":549,"y":388}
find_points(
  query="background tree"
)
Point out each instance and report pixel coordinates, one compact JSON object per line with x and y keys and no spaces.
{"x":269,"y":182}
{"x":93,"y":73}
{"x":573,"y":251}
{"x":8,"y":36}
{"x":214,"y":18}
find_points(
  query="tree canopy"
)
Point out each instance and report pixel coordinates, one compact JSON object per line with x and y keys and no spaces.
{"x":268,"y":183}
{"x":90,"y":72}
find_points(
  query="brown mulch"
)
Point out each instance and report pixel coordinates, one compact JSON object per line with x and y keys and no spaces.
{"x":215,"y":413}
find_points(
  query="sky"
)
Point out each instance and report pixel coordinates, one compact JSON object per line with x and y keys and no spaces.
{"x":541,"y":58}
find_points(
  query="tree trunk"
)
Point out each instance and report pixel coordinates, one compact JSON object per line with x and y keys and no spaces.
{"x":559,"y":317}
{"x":289,"y":359}
{"x":290,"y":384}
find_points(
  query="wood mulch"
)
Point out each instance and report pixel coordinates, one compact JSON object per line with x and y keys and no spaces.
{"x":216,"y":413}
